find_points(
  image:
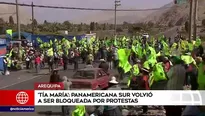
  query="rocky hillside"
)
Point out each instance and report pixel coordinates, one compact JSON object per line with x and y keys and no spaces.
{"x":131,"y":17}
{"x":108,"y":17}
{"x":24,"y":16}
{"x":176,"y":15}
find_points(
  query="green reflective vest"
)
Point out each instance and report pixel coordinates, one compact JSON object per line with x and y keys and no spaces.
{"x":8,"y":62}
{"x":136,"y":72}
{"x":79,"y":111}
{"x":50,"y":52}
{"x":201,"y":76}
{"x":157,"y":74}
{"x":188,"y":59}
{"x":146,"y":65}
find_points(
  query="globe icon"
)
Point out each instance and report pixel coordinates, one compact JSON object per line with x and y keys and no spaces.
{"x":22,"y":97}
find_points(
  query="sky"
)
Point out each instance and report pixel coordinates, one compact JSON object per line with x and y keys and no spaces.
{"x":57,"y":15}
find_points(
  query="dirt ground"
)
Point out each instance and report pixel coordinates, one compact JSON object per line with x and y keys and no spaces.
{"x":137,"y":111}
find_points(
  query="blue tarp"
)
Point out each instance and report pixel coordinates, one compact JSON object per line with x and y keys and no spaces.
{"x":1,"y":64}
{"x":31,"y":37}
{"x":44,"y":38}
{"x":47,"y":38}
{"x":2,"y":41}
{"x":2,"y":51}
{"x":23,"y":34}
{"x":78,"y":37}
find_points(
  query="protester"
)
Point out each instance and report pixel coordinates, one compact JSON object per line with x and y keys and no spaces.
{"x":76,"y":59}
{"x":168,"y":65}
{"x":5,"y":63}
{"x":104,"y":65}
{"x":67,"y":86}
{"x":201,"y":74}
{"x":79,"y":111}
{"x":42,"y":60}
{"x":112,"y":110}
{"x":145,"y":85}
{"x":194,"y":111}
{"x":55,"y":77}
{"x":159,"y":78}
{"x":50,"y":63}
{"x":89,"y":66}
{"x":94,"y":110}
{"x":115,"y":55}
{"x":66,"y":82}
{"x":37,"y":63}
{"x":176,"y":76}
{"x":65,"y":62}
{"x":90,"y":59}
{"x":110,"y":58}
{"x":27,"y":62}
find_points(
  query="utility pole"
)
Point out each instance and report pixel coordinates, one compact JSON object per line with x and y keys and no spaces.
{"x":117,"y":3}
{"x":195,"y":18}
{"x":32,"y":18}
{"x":18,"y":20}
{"x":190,"y":19}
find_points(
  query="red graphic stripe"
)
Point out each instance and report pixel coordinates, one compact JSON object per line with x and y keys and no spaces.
{"x":10,"y":98}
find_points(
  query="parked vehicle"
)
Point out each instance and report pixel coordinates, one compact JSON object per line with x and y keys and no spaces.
{"x":90,"y":78}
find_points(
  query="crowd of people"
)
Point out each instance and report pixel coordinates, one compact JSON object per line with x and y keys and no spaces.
{"x":16,"y":56}
{"x":157,"y":64}
{"x":146,"y":63}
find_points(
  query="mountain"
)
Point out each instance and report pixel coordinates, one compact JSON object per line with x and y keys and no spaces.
{"x":169,"y":13}
{"x":108,"y":17}
{"x":175,"y":14}
{"x":130,"y":17}
{"x":9,"y":10}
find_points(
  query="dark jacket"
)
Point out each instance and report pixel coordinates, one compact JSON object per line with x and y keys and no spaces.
{"x":109,"y":56}
{"x":104,"y":66}
{"x":65,"y":59}
{"x":112,"y":110}
{"x":192,"y":111}
{"x":54,"y":78}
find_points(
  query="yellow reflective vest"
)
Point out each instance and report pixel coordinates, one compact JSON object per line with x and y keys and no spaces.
{"x":79,"y":111}
{"x":8,"y":62}
{"x":136,"y":72}
{"x":157,"y":74}
{"x":188,"y":59}
{"x":201,"y":76}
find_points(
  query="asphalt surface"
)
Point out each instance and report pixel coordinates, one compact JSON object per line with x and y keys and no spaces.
{"x":25,"y":79}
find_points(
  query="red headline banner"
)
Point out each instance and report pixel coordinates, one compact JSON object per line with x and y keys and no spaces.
{"x":17,"y":98}
{"x":2,"y":51}
{"x":49,"y":86}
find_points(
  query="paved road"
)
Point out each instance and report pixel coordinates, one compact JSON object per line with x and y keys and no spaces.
{"x":24,"y":80}
{"x":18,"y":77}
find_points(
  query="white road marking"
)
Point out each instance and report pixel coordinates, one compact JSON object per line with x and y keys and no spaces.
{"x":40,"y":76}
{"x":22,"y":81}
